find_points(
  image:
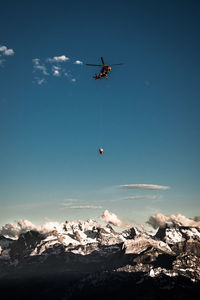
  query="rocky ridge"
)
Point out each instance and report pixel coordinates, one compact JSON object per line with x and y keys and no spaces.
{"x":87,"y":249}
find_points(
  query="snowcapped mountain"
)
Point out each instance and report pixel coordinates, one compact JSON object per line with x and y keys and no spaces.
{"x":74,"y":237}
{"x":86,"y":252}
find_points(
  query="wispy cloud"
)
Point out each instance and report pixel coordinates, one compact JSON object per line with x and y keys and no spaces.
{"x":72,"y":203}
{"x":145,"y":186}
{"x":40,"y":81}
{"x":70,"y":76}
{"x":151,"y":197}
{"x":42,"y":68}
{"x":37,"y":66}
{"x":85,"y":206}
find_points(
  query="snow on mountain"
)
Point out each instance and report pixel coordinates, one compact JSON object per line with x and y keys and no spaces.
{"x":69,"y":235}
{"x":175,"y":234}
{"x":78,"y":257}
{"x":141,"y":243}
{"x":73,"y":234}
{"x":172,"y":250}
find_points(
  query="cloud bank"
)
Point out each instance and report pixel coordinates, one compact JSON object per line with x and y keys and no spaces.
{"x":23,"y":226}
{"x":160,"y":220}
{"x":14,"y":230}
{"x":145,"y":186}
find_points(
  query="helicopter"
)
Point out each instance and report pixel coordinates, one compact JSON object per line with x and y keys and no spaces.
{"x":105,"y":69}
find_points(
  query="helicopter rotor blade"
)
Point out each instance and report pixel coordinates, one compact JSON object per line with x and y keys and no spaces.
{"x":93,"y":65}
{"x":102,"y":61}
{"x":116,"y":64}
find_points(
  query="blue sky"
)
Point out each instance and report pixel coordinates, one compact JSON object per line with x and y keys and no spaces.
{"x":145,"y":116}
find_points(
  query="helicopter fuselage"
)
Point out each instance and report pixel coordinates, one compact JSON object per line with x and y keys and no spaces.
{"x":103,"y":73}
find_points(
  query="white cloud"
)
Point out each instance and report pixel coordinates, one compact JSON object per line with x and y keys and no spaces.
{"x":36,"y":61}
{"x":61,"y":58}
{"x":73,"y":79}
{"x":78,"y":62}
{"x":3,"y":48}
{"x":56,"y":71}
{"x":160,"y":220}
{"x":111,"y":218}
{"x":9,"y":52}
{"x":6,"y":51}
{"x":145,"y":186}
